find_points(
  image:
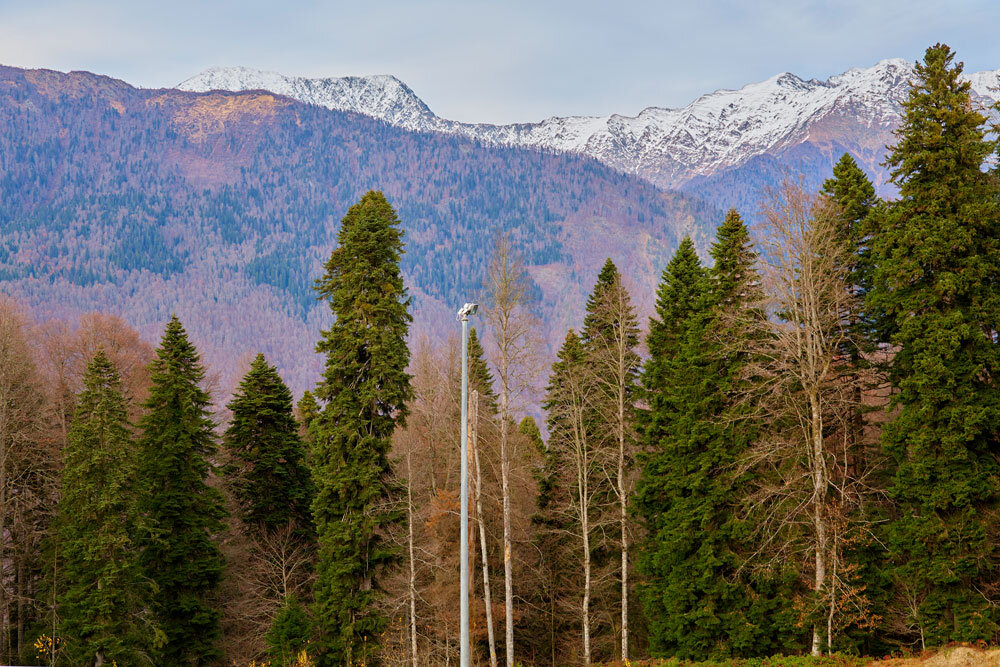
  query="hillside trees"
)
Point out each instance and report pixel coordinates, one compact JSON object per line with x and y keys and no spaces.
{"x":104,"y":605}
{"x":365,"y":389}
{"x":937,"y":256}
{"x":181,"y":512}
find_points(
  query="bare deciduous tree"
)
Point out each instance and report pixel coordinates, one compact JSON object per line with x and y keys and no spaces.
{"x":807,"y":488}
{"x":512,"y":329}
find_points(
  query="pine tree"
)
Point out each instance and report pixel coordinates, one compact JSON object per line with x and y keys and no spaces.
{"x":938,"y":279}
{"x":103,"y":607}
{"x":365,"y":389}
{"x":267,"y":473}
{"x":181,"y":510}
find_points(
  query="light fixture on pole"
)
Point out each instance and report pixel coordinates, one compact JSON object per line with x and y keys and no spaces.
{"x":463,"y":316}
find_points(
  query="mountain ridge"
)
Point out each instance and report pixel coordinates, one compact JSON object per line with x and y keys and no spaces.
{"x":669,"y":147}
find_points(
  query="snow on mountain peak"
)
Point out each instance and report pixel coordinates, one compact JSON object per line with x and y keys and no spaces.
{"x":666,"y":146}
{"x":382,"y":95}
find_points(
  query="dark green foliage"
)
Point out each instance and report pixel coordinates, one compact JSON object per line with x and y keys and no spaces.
{"x":854,"y":194}
{"x":103,"y":605}
{"x":307,"y":409}
{"x":610,"y":335}
{"x":289,"y":633}
{"x":938,"y":277}
{"x":699,"y":602}
{"x":267,"y":471}
{"x":365,"y":389}
{"x":678,"y":295}
{"x":181,"y":510}
{"x":480,"y":377}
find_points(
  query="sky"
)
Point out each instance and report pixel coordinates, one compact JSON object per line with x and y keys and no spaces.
{"x":501,"y":61}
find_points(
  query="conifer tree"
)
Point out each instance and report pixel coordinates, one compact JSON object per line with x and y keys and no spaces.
{"x":854,"y":194}
{"x":306,"y":410}
{"x":103,"y":608}
{"x":576,"y":483}
{"x":267,"y":472}
{"x":610,"y":336}
{"x":680,"y":290}
{"x":182,"y":512}
{"x":480,"y":376}
{"x":938,"y":279}
{"x":699,"y":603}
{"x":365,"y":389}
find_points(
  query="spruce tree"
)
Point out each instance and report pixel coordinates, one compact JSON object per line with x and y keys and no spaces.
{"x":700,"y":602}
{"x":267,"y":470}
{"x":678,"y":295}
{"x":937,"y":253}
{"x":480,"y":377}
{"x":182,"y":512}
{"x":610,"y":337}
{"x":575,"y":487}
{"x":854,"y":194}
{"x":365,"y":388}
{"x":103,"y":607}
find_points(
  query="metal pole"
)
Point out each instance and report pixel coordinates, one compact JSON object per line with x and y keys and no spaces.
{"x":464,"y":538}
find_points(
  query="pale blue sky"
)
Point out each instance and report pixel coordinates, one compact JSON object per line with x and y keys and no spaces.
{"x":499,"y":61}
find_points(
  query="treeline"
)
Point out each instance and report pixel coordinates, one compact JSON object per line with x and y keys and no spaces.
{"x":803,"y":459}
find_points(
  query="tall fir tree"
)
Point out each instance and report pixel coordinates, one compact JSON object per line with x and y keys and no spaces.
{"x":103,"y":608}
{"x":610,"y":336}
{"x":365,"y":388}
{"x":854,"y":194}
{"x":678,"y":295}
{"x":182,"y":512}
{"x":937,"y":254}
{"x":700,"y":601}
{"x":267,"y":470}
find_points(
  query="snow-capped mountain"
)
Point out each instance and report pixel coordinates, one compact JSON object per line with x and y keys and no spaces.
{"x":855,"y":111}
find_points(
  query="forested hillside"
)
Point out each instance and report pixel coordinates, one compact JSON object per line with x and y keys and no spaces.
{"x":220,"y":206}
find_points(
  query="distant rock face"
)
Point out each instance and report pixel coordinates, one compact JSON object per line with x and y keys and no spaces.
{"x":855,"y":111}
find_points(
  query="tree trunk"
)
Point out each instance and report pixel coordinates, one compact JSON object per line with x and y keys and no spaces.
{"x":586,"y":592}
{"x":623,"y":507}
{"x":508,"y":564}
{"x":413,"y":570}
{"x":584,"y":491}
{"x":819,"y":498}
{"x":487,"y":597}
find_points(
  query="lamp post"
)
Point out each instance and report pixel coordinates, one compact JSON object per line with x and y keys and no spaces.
{"x":463,"y":315}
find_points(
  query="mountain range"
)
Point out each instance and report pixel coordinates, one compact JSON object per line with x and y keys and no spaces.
{"x":220,"y":199}
{"x":855,"y":111}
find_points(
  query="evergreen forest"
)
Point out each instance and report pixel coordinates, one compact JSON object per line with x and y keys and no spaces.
{"x":798,"y":454}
